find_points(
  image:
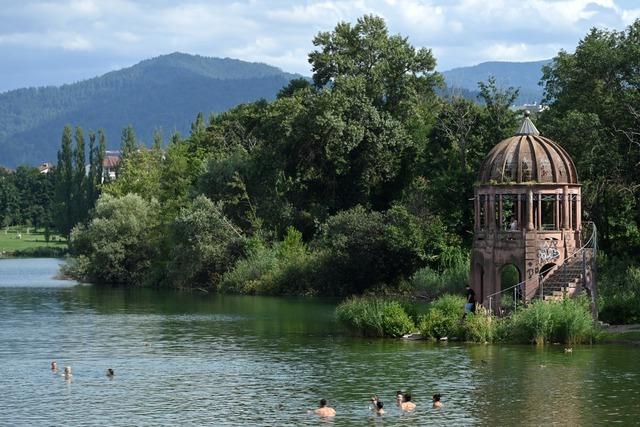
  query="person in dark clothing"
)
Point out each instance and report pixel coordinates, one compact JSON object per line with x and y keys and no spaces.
{"x":470,"y":305}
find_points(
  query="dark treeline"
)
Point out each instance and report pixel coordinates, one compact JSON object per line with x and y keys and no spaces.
{"x":26,"y":197}
{"x":362,"y":178}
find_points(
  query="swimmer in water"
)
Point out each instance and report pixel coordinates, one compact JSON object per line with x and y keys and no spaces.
{"x":436,"y":401}
{"x":110,"y":373}
{"x":378,"y":408}
{"x":399,"y":398}
{"x":67,"y":372}
{"x":407,"y":404}
{"x":324,"y":410}
{"x":54,"y":366}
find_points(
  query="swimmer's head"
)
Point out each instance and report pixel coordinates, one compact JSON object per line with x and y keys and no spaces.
{"x":407,"y":397}
{"x":323,"y":403}
{"x":379,"y":404}
{"x":54,"y":365}
{"x":110,"y":372}
{"x":67,"y":370}
{"x":436,"y":397}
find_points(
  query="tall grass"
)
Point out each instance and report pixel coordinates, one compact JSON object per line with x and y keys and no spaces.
{"x":568,"y":321}
{"x":443,"y":318}
{"x":375,"y":317}
{"x":481,"y":326}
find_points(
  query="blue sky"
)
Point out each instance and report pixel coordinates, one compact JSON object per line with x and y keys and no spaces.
{"x":45,"y":42}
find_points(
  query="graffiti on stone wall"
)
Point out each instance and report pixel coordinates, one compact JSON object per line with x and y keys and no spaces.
{"x":548,"y":252}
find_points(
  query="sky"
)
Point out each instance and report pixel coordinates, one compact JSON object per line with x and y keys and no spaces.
{"x":51,"y":42}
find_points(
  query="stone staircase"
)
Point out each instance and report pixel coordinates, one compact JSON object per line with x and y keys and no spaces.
{"x":566,"y":280}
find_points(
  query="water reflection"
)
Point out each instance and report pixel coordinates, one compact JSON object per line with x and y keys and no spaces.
{"x":191,"y":358}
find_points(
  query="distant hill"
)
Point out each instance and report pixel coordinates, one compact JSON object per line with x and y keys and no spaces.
{"x":162,"y":93}
{"x":523,"y":75}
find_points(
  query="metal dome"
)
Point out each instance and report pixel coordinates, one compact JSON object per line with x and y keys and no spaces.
{"x":528,"y":157}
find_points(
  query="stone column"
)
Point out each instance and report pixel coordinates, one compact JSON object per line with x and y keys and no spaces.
{"x":579,"y":210}
{"x":491,"y":212}
{"x":530,"y":210}
{"x":565,"y":208}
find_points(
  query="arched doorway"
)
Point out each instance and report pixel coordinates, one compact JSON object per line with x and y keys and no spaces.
{"x":510,"y":276}
{"x":546,"y":269}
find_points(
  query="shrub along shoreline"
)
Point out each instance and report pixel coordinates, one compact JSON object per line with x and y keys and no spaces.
{"x":568,"y":322}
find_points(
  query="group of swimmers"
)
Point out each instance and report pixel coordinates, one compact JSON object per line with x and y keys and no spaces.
{"x":66,"y":373}
{"x":403,"y":401}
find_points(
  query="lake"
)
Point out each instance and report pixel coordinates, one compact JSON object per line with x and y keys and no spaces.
{"x":185,"y":358}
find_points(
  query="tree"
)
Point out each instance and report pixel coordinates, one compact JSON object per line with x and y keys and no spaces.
{"x":64,"y":185}
{"x":394,"y":75}
{"x":79,"y":186}
{"x":365,"y":249}
{"x":120,"y":242}
{"x":206,"y":244}
{"x":594,"y":94}
{"x":128,"y":142}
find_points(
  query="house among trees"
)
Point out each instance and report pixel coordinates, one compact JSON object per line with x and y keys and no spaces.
{"x":110,"y":164}
{"x":46,"y":167}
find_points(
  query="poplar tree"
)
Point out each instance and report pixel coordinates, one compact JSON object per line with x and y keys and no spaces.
{"x":64,"y":181}
{"x":79,"y":179}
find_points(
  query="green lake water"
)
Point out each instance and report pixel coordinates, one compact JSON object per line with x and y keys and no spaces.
{"x":197,"y":359}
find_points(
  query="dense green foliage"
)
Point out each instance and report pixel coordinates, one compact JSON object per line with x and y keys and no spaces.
{"x":619,"y":297}
{"x":161,"y":93}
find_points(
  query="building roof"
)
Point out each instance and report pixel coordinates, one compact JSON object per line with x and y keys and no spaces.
{"x":528,"y":157}
{"x":110,"y":162}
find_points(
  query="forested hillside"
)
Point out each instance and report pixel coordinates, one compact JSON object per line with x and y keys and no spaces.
{"x":524,"y":76}
{"x":163,"y":93}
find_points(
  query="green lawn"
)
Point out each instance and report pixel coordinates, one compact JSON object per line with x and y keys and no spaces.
{"x":17,"y":239}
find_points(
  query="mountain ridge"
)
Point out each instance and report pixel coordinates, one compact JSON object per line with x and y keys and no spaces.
{"x":167,"y":91}
{"x":164,"y":92}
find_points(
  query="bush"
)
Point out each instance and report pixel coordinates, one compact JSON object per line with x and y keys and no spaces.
{"x":568,"y":321}
{"x":375,"y":317}
{"x":443,"y":317}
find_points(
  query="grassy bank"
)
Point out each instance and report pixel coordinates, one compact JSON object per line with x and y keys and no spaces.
{"x":567,"y":322}
{"x":30,"y":242}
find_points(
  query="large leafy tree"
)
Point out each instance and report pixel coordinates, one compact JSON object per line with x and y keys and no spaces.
{"x":594,"y":96}
{"x":120,"y":242}
{"x":395,"y":75}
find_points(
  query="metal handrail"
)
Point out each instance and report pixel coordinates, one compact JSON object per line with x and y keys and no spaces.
{"x":542,"y":278}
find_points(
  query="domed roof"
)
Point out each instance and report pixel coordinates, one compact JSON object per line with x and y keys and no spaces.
{"x":528,"y":157}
